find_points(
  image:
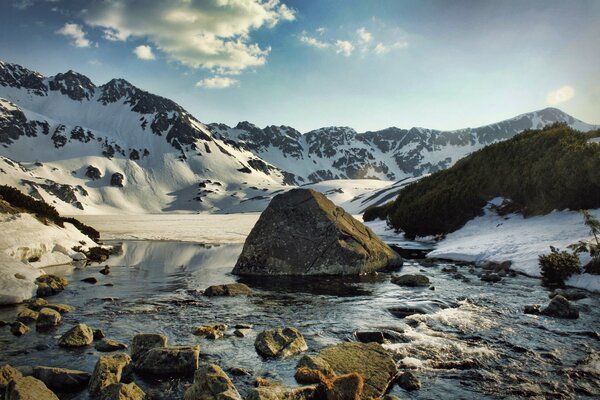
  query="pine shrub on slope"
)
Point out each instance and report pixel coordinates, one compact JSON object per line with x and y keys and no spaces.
{"x":539,"y":170}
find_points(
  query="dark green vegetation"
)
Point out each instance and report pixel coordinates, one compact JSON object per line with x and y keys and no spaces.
{"x":539,"y":170}
{"x":42,"y":210}
{"x":558,"y":266}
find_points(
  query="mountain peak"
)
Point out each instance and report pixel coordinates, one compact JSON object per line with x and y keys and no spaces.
{"x":72,"y":84}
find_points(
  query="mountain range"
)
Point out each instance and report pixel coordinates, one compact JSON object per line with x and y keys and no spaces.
{"x":116,"y":148}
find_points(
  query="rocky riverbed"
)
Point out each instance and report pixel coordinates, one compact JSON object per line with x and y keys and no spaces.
{"x":458,"y":335}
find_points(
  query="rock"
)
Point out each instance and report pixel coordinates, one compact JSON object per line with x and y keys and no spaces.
{"x":305,"y":375}
{"x":91,"y":280}
{"x":77,"y":336}
{"x":560,"y":307}
{"x":281,"y":342}
{"x":491,"y":277}
{"x":230,"y":289}
{"x":108,"y":370}
{"x":282,"y":393}
{"x":28,"y":388}
{"x":243,"y":326}
{"x":214,"y":331}
{"x":369,"y":336}
{"x":48,"y":318}
{"x":122,"y":391}
{"x":303,"y":233}
{"x":411,"y":280}
{"x":236,"y":371}
{"x":533,"y":309}
{"x":369,"y":360}
{"x":7,"y":374}
{"x":61,"y":379}
{"x":106,"y":345}
{"x":18,"y":328}
{"x":105,"y":270}
{"x":93,"y":173}
{"x":98,"y":334}
{"x":37,"y":304}
{"x":61,"y":308}
{"x":49,"y":285}
{"x":569,"y":294}
{"x":78,"y":256}
{"x":408,"y":308}
{"x":117,"y":179}
{"x":176,"y":360}
{"x":344,"y":387}
{"x":143,"y":342}
{"x":211,"y":383}
{"x":408,"y":381}
{"x":26,"y":316}
{"x":242,"y":332}
{"x":315,"y":363}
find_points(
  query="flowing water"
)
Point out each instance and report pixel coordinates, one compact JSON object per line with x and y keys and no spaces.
{"x":475,"y":342}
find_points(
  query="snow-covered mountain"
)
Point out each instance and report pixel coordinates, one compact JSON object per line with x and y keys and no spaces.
{"x":116,"y":148}
{"x":388,"y":154}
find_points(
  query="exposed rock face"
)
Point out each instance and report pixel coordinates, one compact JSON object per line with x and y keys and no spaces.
{"x":303,"y":233}
{"x":369,"y":360}
{"x":47,"y":318}
{"x":143,"y":342}
{"x":93,"y":172}
{"x":282,"y":393}
{"x":61,"y":378}
{"x":117,"y":179}
{"x":79,"y":335}
{"x":176,"y":360}
{"x":28,"y":388}
{"x":122,"y":391}
{"x":411,"y":280}
{"x":108,"y":370}
{"x":7,"y":374}
{"x":211,"y":383}
{"x":230,"y":289}
{"x":282,"y":342}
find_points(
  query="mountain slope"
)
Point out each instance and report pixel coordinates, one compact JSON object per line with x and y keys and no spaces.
{"x":389,"y":154}
{"x":116,"y":148}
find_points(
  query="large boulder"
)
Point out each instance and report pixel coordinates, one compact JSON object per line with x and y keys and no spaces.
{"x":61,"y":379}
{"x":108,"y":370}
{"x":560,"y":307}
{"x":49,"y":285}
{"x":7,"y":374}
{"x":78,"y":336}
{"x":143,"y":342}
{"x":303,"y":233}
{"x":176,"y":360}
{"x":47,"y":318}
{"x":282,"y":393}
{"x":281,"y":342}
{"x":28,"y":388}
{"x":369,"y":360}
{"x":122,"y":391}
{"x":211,"y":383}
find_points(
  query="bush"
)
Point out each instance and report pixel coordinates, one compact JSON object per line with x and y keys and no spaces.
{"x":558,"y":266}
{"x":375,"y":212}
{"x":539,"y":170}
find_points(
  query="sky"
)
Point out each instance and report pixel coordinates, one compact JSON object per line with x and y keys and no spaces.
{"x":314,"y":63}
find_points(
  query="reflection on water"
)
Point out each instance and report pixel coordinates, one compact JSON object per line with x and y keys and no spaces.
{"x":474,"y":341}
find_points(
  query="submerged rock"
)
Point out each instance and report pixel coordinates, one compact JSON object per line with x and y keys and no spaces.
{"x":108,"y":370}
{"x":61,"y":379}
{"x":176,"y":360}
{"x":369,"y":360}
{"x":107,"y":345}
{"x":408,"y":381}
{"x":560,"y":307}
{"x":282,"y":342}
{"x":77,"y":336}
{"x":211,"y":383}
{"x":411,"y":280}
{"x":28,"y":388}
{"x":230,"y":290}
{"x":303,"y":233}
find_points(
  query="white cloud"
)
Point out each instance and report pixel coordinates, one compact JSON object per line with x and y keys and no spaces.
{"x":76,"y":33}
{"x":364,"y":36}
{"x":311,"y":41}
{"x":400,"y":45}
{"x":144,"y":52}
{"x":381,"y":48}
{"x":217,"y":82}
{"x":344,"y":47}
{"x":560,"y":95}
{"x":321,"y":30}
{"x":211,"y":34}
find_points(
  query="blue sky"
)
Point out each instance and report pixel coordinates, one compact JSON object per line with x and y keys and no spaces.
{"x":313,"y":63}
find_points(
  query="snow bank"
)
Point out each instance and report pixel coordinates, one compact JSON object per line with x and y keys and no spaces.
{"x":22,"y":238}
{"x":520,"y":240}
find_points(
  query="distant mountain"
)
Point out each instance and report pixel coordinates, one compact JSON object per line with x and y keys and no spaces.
{"x":117,"y":148}
{"x":389,"y":154}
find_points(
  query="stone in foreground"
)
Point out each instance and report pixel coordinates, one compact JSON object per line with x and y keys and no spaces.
{"x":282,"y":342}
{"x":211,"y":383}
{"x":122,"y":391}
{"x":7,"y":374}
{"x":77,"y":336}
{"x":176,"y":360}
{"x":369,"y":360}
{"x":61,"y":379}
{"x":28,"y":388}
{"x":229,"y":290}
{"x":282,"y":393}
{"x":108,"y":370}
{"x":143,"y":342}
{"x":303,"y":233}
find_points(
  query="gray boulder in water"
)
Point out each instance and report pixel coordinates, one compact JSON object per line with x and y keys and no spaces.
{"x":303,"y":233}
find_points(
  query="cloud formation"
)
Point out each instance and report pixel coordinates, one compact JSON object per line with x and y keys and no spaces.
{"x":144,"y":52}
{"x":312,"y":41}
{"x":344,"y":47}
{"x":217,"y":82}
{"x":363,"y":42}
{"x":560,"y":95}
{"x":76,"y":33}
{"x":210,"y":34}
{"x":364,"y":36}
